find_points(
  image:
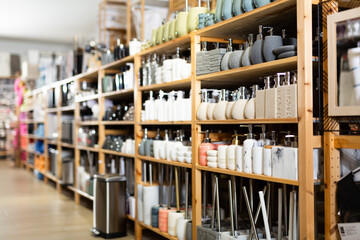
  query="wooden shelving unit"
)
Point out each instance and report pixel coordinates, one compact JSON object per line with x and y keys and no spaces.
{"x":280,"y":13}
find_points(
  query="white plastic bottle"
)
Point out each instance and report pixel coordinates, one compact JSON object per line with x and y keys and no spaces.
{"x":160,"y":110}
{"x":230,"y":105}
{"x":202,"y":109}
{"x":150,"y":108}
{"x":220,"y":107}
{"x":250,"y":106}
{"x":179,"y":109}
{"x":239,"y":106}
{"x":170,"y":106}
{"x":248,"y":145}
{"x":212,"y":104}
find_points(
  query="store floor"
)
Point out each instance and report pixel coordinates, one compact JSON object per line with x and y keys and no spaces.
{"x":32,"y":210}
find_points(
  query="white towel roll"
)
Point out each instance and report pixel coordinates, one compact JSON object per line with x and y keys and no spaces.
{"x":181,"y":228}
{"x":132,"y":204}
{"x":150,"y":199}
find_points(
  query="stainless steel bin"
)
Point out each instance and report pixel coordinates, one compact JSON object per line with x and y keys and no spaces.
{"x":109,"y":219}
{"x":67,"y":171}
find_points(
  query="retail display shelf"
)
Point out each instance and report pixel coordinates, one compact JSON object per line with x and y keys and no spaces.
{"x":277,"y":13}
{"x":82,"y":193}
{"x":117,"y":64}
{"x":51,"y":110}
{"x":174,"y":85}
{"x":32,"y":136}
{"x":156,"y":230}
{"x":87,"y":123}
{"x":68,"y":145}
{"x":91,"y":149}
{"x":27,"y":109}
{"x":118,"y":94}
{"x":8,"y":77}
{"x":170,"y":46}
{"x":248,"y":175}
{"x":51,"y":177}
{"x":52,"y":142}
{"x":344,"y":141}
{"x":86,"y":98}
{"x":64,"y":81}
{"x":247,"y":75}
{"x":106,"y":151}
{"x":67,"y":108}
{"x":117,"y":122}
{"x":130,"y":218}
{"x":4,"y":153}
{"x":28,"y":165}
{"x":173,"y":163}
{"x":165,"y":123}
{"x":249,"y":121}
{"x":91,"y":74}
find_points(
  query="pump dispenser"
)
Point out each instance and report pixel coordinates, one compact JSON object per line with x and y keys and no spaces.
{"x":147,"y":71}
{"x":258,"y":152}
{"x":281,"y":95}
{"x":235,"y":57}
{"x":201,"y":112}
{"x":170,"y":106}
{"x":154,"y":66}
{"x":231,"y":152}
{"x":260,"y":103}
{"x":159,"y":104}
{"x":142,"y":143}
{"x":249,"y":143}
{"x":212,"y":104}
{"x":225,"y":59}
{"x":150,"y":108}
{"x":162,"y":151}
{"x":179,"y":108}
{"x":245,"y":60}
{"x":250,"y":106}
{"x":230,"y":104}
{"x":267,"y":155}
{"x":239,"y":106}
{"x":291,"y":98}
{"x":271,"y":96}
{"x":257,"y":50}
{"x":205,"y":146}
{"x":220,"y":107}
{"x":271,"y":42}
{"x":158,"y":144}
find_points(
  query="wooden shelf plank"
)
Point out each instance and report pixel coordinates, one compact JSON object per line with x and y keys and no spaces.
{"x":68,"y":145}
{"x":86,"y":98}
{"x":118,"y":94}
{"x":83,"y":194}
{"x":247,"y":75}
{"x":117,"y":122}
{"x":32,"y":136}
{"x":175,"y":85}
{"x":170,"y":47}
{"x":92,"y":149}
{"x":87,"y":123}
{"x":51,"y":110}
{"x":278,"y":13}
{"x":117,"y":64}
{"x":156,"y":230}
{"x":249,"y":121}
{"x":67,"y":108}
{"x":173,"y":163}
{"x":107,"y":151}
{"x":248,"y":175}
{"x":92,"y":74}
{"x":344,"y":141}
{"x":130,"y":218}
{"x":51,"y":177}
{"x":165,"y":123}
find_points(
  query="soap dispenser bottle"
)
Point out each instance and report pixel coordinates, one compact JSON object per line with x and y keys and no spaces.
{"x":225,"y":60}
{"x":143,"y":143}
{"x":270,"y":98}
{"x":220,"y":107}
{"x":257,"y":50}
{"x":170,"y":104}
{"x":212,"y":104}
{"x":281,"y":95}
{"x":149,"y":147}
{"x":248,"y":145}
{"x":154,"y":66}
{"x":270,"y":44}
{"x":162,"y":149}
{"x":157,"y":144}
{"x":231,"y":152}
{"x":150,"y":108}
{"x":235,"y":57}
{"x":179,"y":109}
{"x":202,"y":109}
{"x":239,"y":106}
{"x":291,"y":158}
{"x":230,"y":104}
{"x":260,"y":102}
{"x":147,"y":72}
{"x":142,"y":73}
{"x":250,"y":106}
{"x":237,"y":7}
{"x":160,"y":110}
{"x":245,"y":60}
{"x":205,"y":146}
{"x":258,"y":152}
{"x":267,"y":155}
{"x":291,"y":98}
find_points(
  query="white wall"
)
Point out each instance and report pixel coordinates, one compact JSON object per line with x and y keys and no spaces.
{"x":20,"y":46}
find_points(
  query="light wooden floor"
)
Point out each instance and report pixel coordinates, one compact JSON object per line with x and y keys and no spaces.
{"x":33,"y":210}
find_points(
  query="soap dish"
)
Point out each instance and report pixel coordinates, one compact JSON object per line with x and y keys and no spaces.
{"x":287,"y":54}
{"x":283,"y":49}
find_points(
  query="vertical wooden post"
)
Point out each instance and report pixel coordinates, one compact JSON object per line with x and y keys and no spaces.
{"x":101,"y":129}
{"x":195,"y":129}
{"x":137,"y":137}
{"x":331,"y":175}
{"x":59,"y":148}
{"x":305,"y":113}
{"x":76,"y":150}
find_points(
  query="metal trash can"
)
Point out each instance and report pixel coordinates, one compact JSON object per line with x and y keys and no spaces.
{"x":67,"y":171}
{"x":109,"y":208}
{"x":53,"y":157}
